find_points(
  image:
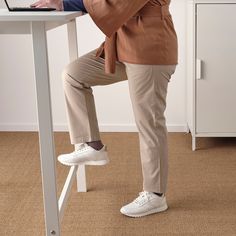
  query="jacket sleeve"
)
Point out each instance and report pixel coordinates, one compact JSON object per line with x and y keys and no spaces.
{"x":110,"y":15}
{"x":73,"y":5}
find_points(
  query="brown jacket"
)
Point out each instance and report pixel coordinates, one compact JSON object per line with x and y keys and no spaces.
{"x":137,"y":31}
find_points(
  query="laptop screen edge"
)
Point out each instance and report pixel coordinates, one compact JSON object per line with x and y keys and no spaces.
{"x":7,"y":5}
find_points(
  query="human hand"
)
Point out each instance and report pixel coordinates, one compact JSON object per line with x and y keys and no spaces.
{"x":57,"y":4}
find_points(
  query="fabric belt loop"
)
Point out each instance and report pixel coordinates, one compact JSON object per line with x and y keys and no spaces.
{"x":162,"y":14}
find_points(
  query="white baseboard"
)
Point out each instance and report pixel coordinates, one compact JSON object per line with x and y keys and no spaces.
{"x":102,"y":127}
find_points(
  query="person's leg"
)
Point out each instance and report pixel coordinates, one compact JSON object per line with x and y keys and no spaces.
{"x":78,"y":77}
{"x":148,"y":86}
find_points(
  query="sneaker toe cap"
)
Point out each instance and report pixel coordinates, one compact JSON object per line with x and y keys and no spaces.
{"x":60,"y":158}
{"x":64,"y":158}
{"x":123,"y":210}
{"x":128,"y":209}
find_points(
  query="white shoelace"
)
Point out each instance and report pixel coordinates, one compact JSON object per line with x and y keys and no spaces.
{"x":143,"y":197}
{"x":84,"y":146}
{"x":81,"y":146}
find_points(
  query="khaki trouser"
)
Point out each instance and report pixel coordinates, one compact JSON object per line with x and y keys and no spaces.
{"x":148,"y":89}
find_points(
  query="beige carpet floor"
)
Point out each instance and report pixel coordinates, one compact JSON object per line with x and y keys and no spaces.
{"x":201,"y":188}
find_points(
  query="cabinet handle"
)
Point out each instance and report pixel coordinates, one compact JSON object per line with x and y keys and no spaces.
{"x":198,"y":69}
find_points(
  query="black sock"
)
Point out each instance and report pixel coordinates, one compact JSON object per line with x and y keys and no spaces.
{"x":159,"y":194}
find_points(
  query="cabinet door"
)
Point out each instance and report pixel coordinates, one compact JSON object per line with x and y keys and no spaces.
{"x":216,"y":49}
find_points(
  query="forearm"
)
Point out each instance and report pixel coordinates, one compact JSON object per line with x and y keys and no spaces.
{"x":110,"y":15}
{"x":74,"y":5}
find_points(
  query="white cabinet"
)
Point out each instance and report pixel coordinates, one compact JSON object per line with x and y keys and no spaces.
{"x":211,"y":69}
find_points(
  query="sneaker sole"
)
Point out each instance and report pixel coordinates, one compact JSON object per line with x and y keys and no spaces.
{"x":156,"y":210}
{"x":95,"y":163}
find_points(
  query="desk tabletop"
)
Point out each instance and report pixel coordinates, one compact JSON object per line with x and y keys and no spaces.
{"x":5,"y":15}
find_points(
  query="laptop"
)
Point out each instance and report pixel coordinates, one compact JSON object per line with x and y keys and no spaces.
{"x":29,"y":8}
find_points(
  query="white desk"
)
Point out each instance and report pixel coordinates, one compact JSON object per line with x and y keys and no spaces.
{"x":36,"y":24}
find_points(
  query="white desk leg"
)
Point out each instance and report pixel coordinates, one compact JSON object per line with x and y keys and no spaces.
{"x":46,"y":139}
{"x":73,"y":54}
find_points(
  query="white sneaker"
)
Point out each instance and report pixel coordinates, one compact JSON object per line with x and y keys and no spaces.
{"x":145,"y":204}
{"x":85,"y":155}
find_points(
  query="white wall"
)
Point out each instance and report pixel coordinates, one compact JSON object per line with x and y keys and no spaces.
{"x":114,"y":111}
